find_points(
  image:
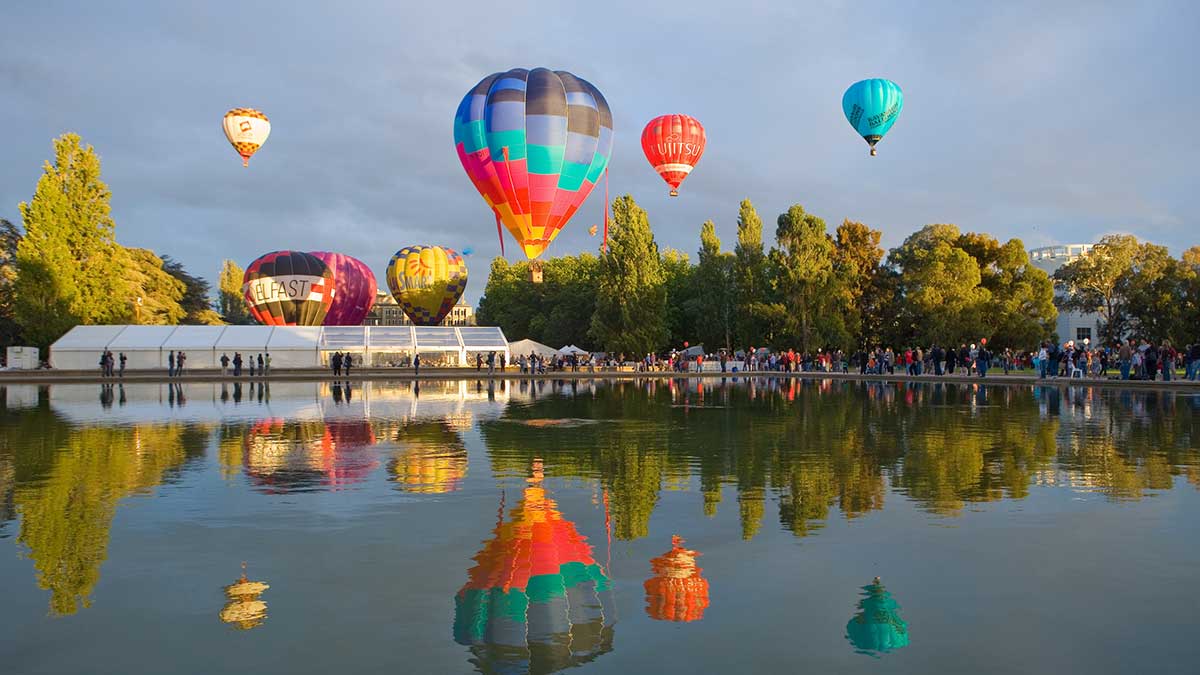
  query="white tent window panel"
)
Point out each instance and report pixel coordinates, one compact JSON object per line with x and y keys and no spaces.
{"x":436,"y":339}
{"x":294,"y":346}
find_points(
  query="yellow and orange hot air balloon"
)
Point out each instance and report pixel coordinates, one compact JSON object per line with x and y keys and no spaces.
{"x":427,"y":281}
{"x":247,"y":129}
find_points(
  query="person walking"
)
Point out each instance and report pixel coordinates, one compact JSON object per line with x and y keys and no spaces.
{"x":171,"y":364}
{"x":224,"y":363}
{"x":122,"y":359}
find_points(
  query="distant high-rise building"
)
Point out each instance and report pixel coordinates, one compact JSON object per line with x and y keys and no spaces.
{"x":1077,"y":326}
{"x":387,"y":312}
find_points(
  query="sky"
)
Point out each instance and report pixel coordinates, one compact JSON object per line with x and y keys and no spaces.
{"x":1051,"y":122}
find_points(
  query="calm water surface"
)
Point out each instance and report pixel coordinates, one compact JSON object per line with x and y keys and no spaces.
{"x":755,"y":525}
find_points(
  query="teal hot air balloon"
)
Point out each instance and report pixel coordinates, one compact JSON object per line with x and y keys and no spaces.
{"x":871,"y":107}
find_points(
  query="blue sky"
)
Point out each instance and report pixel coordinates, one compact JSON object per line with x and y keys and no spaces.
{"x":1053,"y":122}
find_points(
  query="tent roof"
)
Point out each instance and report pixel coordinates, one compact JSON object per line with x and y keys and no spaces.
{"x":294,"y":337}
{"x":244,"y":337}
{"x":87,"y":338}
{"x":193,"y":337}
{"x":526,"y":346}
{"x":572,"y":349}
{"x":141,"y":337}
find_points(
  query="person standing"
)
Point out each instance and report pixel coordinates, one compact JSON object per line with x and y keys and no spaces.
{"x":180,"y":358}
{"x":237,"y":365}
{"x":171,"y":364}
{"x":224,"y":363}
{"x":1125,"y":358}
{"x":267,"y":367}
{"x":479,"y":362}
{"x":335,"y":362}
{"x":1043,"y":361}
{"x":417,"y":364}
{"x":261,"y":372}
{"x":1150,"y":359}
{"x":1195,"y":351}
{"x":1167,"y":356}
{"x":347,"y":361}
{"x":251,"y":360}
{"x":122,"y":360}
{"x":951,"y":359}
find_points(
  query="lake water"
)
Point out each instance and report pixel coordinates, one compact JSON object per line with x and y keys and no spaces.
{"x":761,"y":525}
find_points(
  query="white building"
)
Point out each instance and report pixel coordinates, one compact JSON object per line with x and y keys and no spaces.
{"x":1075,"y":326}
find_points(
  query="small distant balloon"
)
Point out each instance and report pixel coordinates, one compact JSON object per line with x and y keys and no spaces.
{"x":247,"y":129}
{"x":467,"y":250}
{"x":592,"y":230}
{"x":673,"y":145}
{"x":871,"y":107}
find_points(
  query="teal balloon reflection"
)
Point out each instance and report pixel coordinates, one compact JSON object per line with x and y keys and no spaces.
{"x":877,"y":628}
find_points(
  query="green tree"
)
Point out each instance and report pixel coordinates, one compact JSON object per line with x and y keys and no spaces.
{"x":68,"y":262}
{"x":196,"y":304}
{"x":941,"y":297}
{"x":712,"y":305}
{"x":10,"y":238}
{"x":556,"y":312}
{"x":679,"y":282}
{"x":631,"y":298}
{"x":156,"y":294}
{"x":1157,"y":290}
{"x":1100,"y":282}
{"x":802,"y":261}
{"x":750,"y":278}
{"x":1020,"y":311}
{"x":856,"y":261}
{"x":231,"y":304}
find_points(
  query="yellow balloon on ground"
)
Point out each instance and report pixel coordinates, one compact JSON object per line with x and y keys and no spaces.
{"x":427,"y":281}
{"x":247,"y":129}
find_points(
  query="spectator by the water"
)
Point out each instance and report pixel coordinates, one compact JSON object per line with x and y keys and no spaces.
{"x":224,"y":363}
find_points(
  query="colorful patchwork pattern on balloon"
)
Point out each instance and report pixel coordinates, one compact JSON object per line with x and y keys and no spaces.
{"x":427,"y":281}
{"x":534,"y":143}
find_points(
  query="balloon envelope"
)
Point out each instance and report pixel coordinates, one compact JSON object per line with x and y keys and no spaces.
{"x":355,"y":288}
{"x":427,"y":281}
{"x":534,"y":143}
{"x":673,"y":145}
{"x":246,"y":129}
{"x":871,"y":107}
{"x":288,"y":288}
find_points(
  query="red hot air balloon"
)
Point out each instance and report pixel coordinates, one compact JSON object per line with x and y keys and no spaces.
{"x":355,"y":289}
{"x":288,"y":288}
{"x":673,"y":144}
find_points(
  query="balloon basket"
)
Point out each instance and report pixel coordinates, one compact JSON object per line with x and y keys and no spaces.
{"x":674,"y":193}
{"x":874,"y":152}
{"x":535,"y":271}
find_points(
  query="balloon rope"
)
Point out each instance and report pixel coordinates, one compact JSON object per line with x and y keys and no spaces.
{"x":604,"y":246}
{"x":499,"y":233}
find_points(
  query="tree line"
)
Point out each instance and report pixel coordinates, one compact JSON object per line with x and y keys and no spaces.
{"x":63,"y":267}
{"x":816,"y":289}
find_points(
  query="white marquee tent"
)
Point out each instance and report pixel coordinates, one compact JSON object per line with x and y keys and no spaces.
{"x":147,"y":347}
{"x":526,"y":347}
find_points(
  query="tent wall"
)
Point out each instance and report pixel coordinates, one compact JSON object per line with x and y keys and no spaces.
{"x":197,"y":342}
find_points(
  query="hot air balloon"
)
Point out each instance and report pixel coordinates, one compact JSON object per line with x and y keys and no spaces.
{"x":426,"y":281}
{"x":877,"y":627}
{"x":676,"y":592}
{"x":673,"y":145}
{"x":288,"y":288}
{"x":534,"y":143}
{"x":247,"y":129}
{"x":354,"y":285}
{"x":871,"y":107}
{"x":535,"y":601}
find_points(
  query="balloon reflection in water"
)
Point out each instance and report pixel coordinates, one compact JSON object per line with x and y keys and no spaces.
{"x":877,"y":627}
{"x":676,"y":592}
{"x":244,"y":610}
{"x":285,"y":456}
{"x":536,"y":599}
{"x":433,"y":458}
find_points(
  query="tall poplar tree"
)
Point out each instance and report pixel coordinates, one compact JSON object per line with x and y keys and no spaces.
{"x":10,"y":237}
{"x":231,"y":304}
{"x":750,"y":276}
{"x":804,"y":275}
{"x":631,"y":297}
{"x":713,"y":303}
{"x":68,"y":262}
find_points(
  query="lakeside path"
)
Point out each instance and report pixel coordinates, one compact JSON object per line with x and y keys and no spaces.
{"x":44,"y":377}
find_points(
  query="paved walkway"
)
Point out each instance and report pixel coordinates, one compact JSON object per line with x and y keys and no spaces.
{"x":406,"y":374}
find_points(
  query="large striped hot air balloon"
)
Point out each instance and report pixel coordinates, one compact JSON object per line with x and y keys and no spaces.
{"x":673,"y":145}
{"x":427,"y":281}
{"x":871,"y":107}
{"x":534,"y":143}
{"x":354,"y":285}
{"x":536,"y":601}
{"x":288,"y":288}
{"x":247,"y":129}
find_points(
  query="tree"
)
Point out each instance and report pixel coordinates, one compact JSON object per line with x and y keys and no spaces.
{"x":197,"y":306}
{"x":631,"y":298}
{"x":1099,"y":282}
{"x":231,"y":304}
{"x":802,"y":262}
{"x":156,"y":293}
{"x":712,"y":307}
{"x":941,"y":299}
{"x":856,"y":258}
{"x":750,"y":277}
{"x":68,"y":262}
{"x":679,"y":283}
{"x":10,"y":238}
{"x":1020,"y":310}
{"x":556,"y":312}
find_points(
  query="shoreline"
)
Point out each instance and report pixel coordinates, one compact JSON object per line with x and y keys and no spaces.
{"x":47,"y":377}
